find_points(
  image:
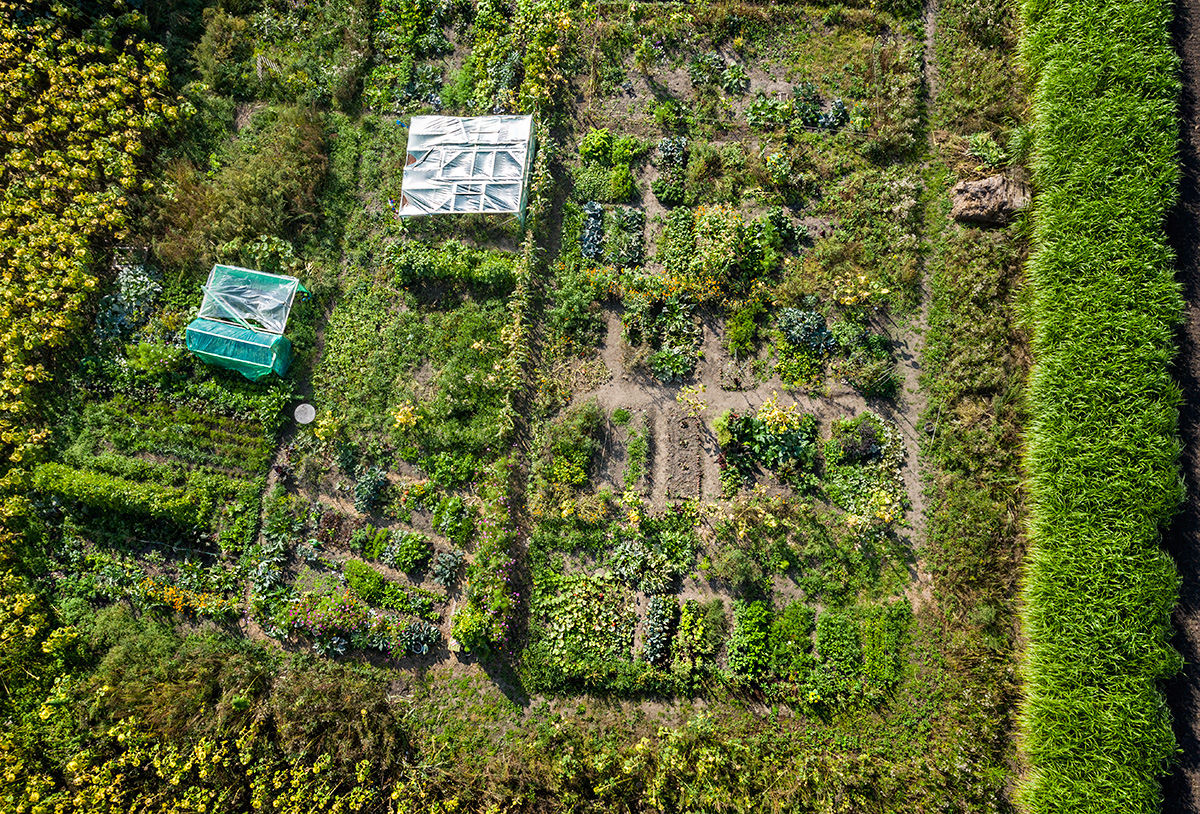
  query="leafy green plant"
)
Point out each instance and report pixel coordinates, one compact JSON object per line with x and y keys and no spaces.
{"x":659,"y":629}
{"x":447,"y":565}
{"x":597,"y":146}
{"x":406,"y":550}
{"x":749,"y":646}
{"x":368,"y":489}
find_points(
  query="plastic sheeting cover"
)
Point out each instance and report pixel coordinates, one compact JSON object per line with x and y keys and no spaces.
{"x":463,"y":165}
{"x":237,"y":294}
{"x":251,"y":353}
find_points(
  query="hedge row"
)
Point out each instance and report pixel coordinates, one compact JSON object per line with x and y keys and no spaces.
{"x":1102,"y":449}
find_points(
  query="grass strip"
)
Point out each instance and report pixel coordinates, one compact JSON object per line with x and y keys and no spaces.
{"x":1103,"y":450}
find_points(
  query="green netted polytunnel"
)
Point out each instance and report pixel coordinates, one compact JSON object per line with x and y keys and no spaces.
{"x":242,"y":319}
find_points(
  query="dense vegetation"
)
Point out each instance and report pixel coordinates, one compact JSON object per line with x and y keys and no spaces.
{"x":608,"y":508}
{"x":1103,"y":449}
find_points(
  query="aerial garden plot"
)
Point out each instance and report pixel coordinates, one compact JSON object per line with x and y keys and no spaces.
{"x":683,"y":474}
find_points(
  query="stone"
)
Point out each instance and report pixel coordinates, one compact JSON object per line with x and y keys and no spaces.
{"x":993,"y":201}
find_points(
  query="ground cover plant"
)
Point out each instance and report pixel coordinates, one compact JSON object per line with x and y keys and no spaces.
{"x":615,"y":506}
{"x":1118,"y":438}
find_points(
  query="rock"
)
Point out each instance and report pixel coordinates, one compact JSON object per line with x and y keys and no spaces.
{"x":993,"y":201}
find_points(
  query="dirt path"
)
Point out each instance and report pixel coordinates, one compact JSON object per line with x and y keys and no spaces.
{"x":1182,"y":788}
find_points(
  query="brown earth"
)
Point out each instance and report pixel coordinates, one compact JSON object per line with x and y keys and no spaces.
{"x":1181,"y":789}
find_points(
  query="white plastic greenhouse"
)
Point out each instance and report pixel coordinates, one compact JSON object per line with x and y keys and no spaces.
{"x":467,"y":165}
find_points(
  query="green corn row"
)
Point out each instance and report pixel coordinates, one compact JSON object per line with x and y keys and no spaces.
{"x":1102,"y":449}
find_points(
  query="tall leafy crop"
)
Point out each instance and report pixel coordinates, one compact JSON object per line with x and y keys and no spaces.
{"x":1102,"y":450}
{"x":76,"y":111}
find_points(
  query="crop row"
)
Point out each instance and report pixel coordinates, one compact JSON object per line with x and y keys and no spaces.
{"x":1102,"y":450}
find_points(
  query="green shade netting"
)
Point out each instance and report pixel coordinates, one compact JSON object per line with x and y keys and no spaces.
{"x":253,"y":354}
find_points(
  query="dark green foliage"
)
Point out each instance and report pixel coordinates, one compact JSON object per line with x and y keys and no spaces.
{"x":453,"y":518}
{"x":669,"y":187}
{"x":447,"y":566}
{"x":741,"y":329}
{"x":420,"y":637}
{"x":791,"y":452}
{"x":223,"y":54}
{"x":625,"y":237}
{"x":749,"y":646}
{"x":856,"y":440}
{"x":367,"y":583}
{"x":406,"y":550}
{"x":368,"y":488}
{"x":591,"y":238}
{"x":659,"y":628}
{"x":268,"y":186}
{"x":792,"y":642}
{"x":807,"y":330}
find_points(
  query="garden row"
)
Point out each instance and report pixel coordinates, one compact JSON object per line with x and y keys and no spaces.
{"x":1102,"y":450}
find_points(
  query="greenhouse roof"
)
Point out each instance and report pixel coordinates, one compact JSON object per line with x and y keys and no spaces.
{"x":241,"y":321}
{"x":466,"y":165}
{"x":255,"y":300}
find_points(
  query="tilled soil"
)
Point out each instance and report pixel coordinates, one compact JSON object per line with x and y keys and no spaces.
{"x":1182,"y":788}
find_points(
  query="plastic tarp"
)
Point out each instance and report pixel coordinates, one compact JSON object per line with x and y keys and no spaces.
{"x":466,"y":165}
{"x":254,"y":354}
{"x":244,"y":296}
